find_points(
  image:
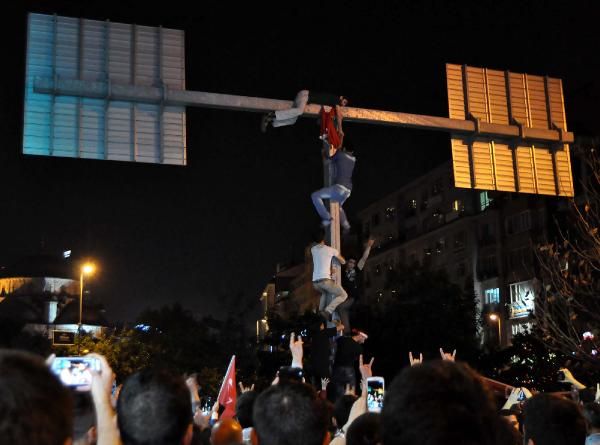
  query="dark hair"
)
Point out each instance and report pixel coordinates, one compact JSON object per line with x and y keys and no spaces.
{"x":84,"y":416}
{"x":341,"y":409}
{"x":318,"y":235}
{"x":443,"y":401}
{"x":35,"y":408}
{"x":365,"y":430}
{"x":243,"y":408}
{"x":289,"y":414}
{"x":349,"y":146}
{"x":591,"y":413}
{"x":550,"y":420}
{"x":154,"y":408}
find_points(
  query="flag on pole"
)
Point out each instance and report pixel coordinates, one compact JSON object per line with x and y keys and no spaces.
{"x":228,"y":393}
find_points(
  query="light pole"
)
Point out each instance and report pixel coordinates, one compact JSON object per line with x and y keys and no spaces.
{"x":496,"y":318}
{"x":86,"y":269}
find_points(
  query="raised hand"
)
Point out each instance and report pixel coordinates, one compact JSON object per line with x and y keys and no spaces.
{"x":324,"y":382}
{"x":415,"y":361}
{"x":448,"y":356}
{"x":365,"y":369}
{"x":349,"y":390}
{"x":244,"y":389}
{"x":297,"y":350}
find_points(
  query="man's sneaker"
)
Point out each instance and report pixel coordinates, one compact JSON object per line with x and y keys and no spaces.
{"x":326,"y":223}
{"x":346,"y":229}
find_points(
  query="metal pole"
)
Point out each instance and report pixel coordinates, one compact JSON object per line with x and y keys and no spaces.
{"x":80,"y":312}
{"x":499,"y":332}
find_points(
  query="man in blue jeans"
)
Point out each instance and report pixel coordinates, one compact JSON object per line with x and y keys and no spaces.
{"x":332,"y":294}
{"x":343,"y":161}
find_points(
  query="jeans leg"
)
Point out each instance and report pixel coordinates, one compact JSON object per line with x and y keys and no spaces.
{"x":344,"y":311}
{"x":338,"y":292}
{"x":289,"y":116}
{"x":317,"y":199}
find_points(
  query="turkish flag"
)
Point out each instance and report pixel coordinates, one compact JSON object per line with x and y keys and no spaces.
{"x":228,"y":392}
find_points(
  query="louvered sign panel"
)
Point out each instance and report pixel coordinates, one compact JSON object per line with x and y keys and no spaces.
{"x":499,"y":97}
{"x":65,"y":48}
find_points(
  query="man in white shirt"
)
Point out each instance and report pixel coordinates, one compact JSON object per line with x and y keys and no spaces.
{"x":332,"y":294}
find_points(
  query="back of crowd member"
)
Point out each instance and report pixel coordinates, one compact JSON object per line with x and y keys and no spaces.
{"x":154,"y":408}
{"x":289,"y":414}
{"x":35,"y":408}
{"x":243,"y":413}
{"x":365,"y":430}
{"x":341,"y":409}
{"x":591,"y":413}
{"x":226,"y":432}
{"x":550,"y":420}
{"x":84,"y":420}
{"x":442,"y":402}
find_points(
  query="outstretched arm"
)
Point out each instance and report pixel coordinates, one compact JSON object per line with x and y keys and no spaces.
{"x":365,"y":255}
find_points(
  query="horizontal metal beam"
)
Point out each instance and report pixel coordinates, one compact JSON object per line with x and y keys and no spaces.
{"x":165,"y":96}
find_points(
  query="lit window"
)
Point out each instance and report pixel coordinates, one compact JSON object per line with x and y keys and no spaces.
{"x":484,"y":200}
{"x":458,"y":206}
{"x":522,"y":301}
{"x":492,"y":296}
{"x":390,"y":213}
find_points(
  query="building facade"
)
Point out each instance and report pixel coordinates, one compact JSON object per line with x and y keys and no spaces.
{"x":479,"y":239}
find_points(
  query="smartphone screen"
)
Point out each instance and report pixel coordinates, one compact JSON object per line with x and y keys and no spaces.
{"x":75,"y":372}
{"x":375,"y":393}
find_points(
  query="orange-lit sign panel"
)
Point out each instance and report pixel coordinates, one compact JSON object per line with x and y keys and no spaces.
{"x":501,"y":97}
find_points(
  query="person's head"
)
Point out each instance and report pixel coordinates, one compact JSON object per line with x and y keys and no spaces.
{"x":350,"y":263}
{"x":551,"y":420}
{"x":154,"y":408}
{"x":365,"y":430}
{"x":35,"y":408}
{"x":349,"y":147}
{"x":344,"y":101}
{"x":318,"y":235}
{"x":591,"y":413}
{"x":359,"y":336}
{"x":513,"y":416}
{"x":243,"y":408}
{"x":341,"y":409}
{"x":84,"y":420}
{"x":289,"y":414}
{"x":443,"y":401}
{"x":226,"y":432}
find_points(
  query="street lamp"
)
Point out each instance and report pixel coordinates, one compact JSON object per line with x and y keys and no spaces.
{"x":496,"y":318}
{"x":86,"y":269}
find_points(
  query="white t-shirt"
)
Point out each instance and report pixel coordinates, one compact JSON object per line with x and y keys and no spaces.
{"x":322,"y":256}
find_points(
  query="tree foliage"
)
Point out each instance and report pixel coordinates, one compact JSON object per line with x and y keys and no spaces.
{"x":570,"y":303}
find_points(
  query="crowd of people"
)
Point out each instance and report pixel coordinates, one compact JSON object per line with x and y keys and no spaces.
{"x":439,"y":401}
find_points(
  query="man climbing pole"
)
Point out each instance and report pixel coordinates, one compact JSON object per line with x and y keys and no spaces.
{"x":332,"y":294}
{"x":331,"y":120}
{"x":343,"y":161}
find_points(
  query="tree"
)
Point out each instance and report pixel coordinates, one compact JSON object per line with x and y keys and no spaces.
{"x":568,"y":314}
{"x":421,"y":312}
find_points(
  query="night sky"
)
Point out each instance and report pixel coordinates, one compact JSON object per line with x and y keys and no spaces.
{"x":202,"y":233}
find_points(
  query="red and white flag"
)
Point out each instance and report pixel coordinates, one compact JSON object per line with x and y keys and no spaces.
{"x":228,"y":391}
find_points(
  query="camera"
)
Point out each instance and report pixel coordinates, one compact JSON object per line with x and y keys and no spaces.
{"x":375,"y":394}
{"x":561,"y":376}
{"x":75,"y":372}
{"x":290,"y":374}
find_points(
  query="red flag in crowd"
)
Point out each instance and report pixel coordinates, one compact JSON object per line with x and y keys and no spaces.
{"x":228,"y":392}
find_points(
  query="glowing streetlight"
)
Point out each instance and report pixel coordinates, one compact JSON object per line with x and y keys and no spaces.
{"x":496,"y":319}
{"x":86,"y":269}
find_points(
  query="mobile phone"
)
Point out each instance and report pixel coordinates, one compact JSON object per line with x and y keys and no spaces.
{"x":289,"y":373}
{"x":75,"y":372}
{"x":375,"y":393}
{"x":521,"y":396}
